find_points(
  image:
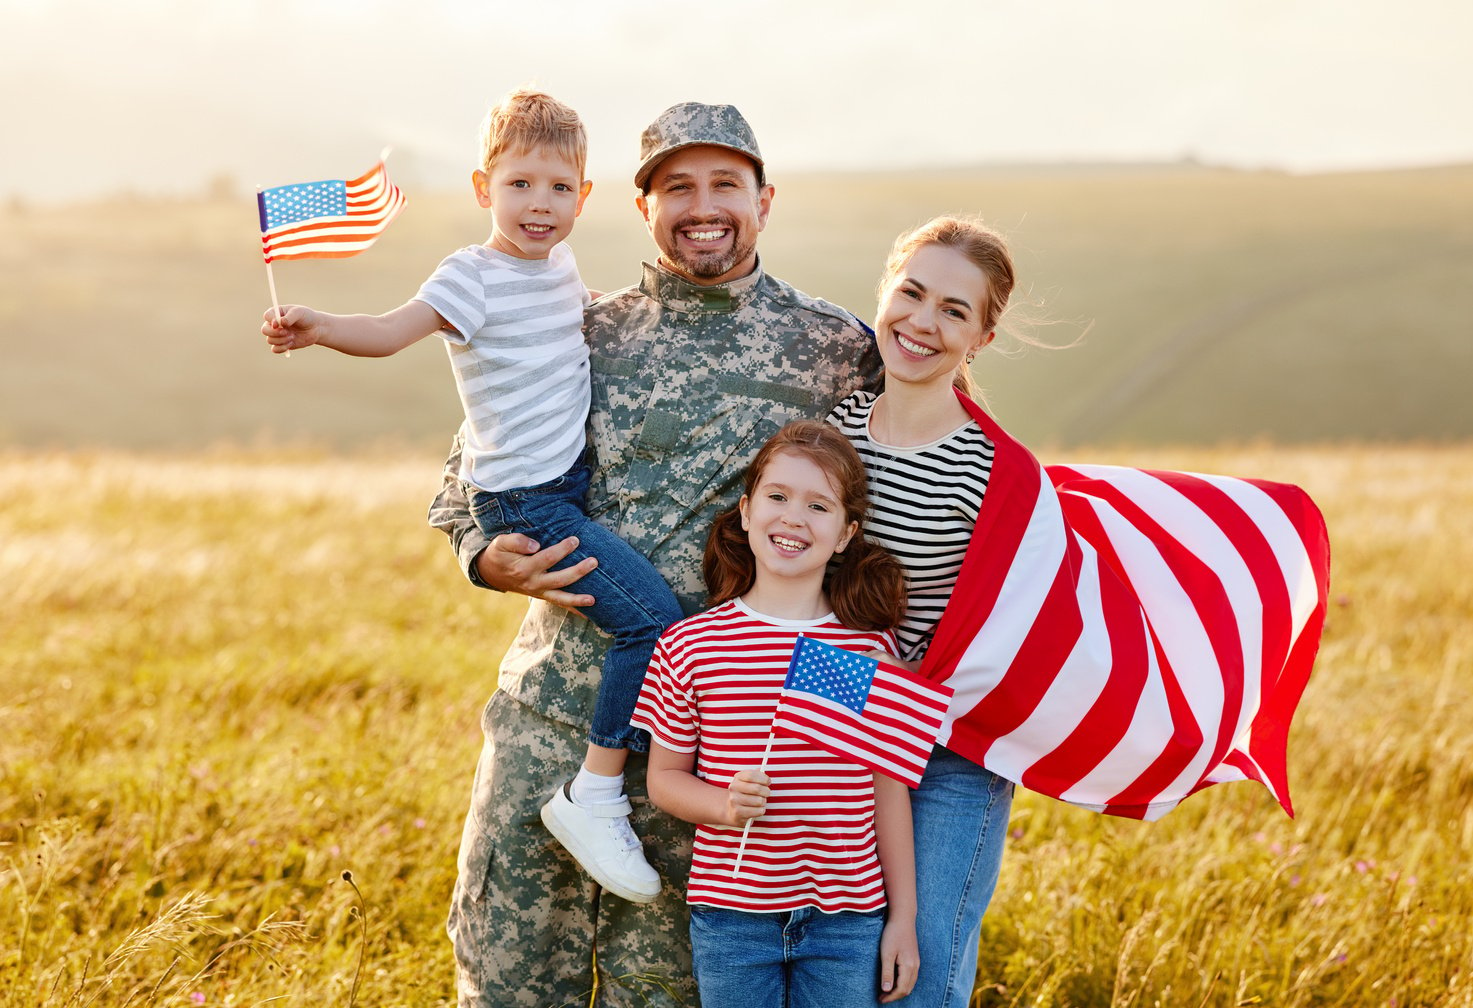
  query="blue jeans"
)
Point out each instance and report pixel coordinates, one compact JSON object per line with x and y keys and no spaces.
{"x":801,"y":958}
{"x":632,"y":603}
{"x":960,"y":813}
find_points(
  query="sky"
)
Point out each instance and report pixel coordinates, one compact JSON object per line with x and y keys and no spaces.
{"x":167,"y":96}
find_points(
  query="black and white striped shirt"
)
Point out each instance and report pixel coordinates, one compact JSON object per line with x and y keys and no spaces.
{"x":924,"y":502}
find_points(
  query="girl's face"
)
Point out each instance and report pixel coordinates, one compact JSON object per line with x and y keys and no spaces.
{"x":930,"y":317}
{"x":794,"y":519}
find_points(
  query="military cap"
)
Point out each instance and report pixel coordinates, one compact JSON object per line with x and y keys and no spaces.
{"x":694,"y":124}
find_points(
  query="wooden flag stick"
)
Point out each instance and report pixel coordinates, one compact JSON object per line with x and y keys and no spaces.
{"x":742,"y":847}
{"x":270,"y":276}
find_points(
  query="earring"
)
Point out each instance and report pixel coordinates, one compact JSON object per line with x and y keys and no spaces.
{"x":971,"y":356}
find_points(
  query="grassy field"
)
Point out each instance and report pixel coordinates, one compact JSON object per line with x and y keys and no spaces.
{"x":1215,"y":306}
{"x":232,"y":676}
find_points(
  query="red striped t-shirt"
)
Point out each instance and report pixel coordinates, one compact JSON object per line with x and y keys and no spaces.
{"x":712,"y":689}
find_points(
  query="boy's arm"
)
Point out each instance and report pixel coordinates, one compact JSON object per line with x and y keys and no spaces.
{"x":900,"y":957}
{"x":674,"y":787}
{"x":356,"y":335}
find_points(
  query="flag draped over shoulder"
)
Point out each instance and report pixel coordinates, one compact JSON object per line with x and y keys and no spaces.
{"x":331,"y":219}
{"x":1121,"y":638}
{"x":861,"y":709}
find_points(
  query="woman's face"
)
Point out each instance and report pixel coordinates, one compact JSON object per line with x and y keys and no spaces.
{"x":931,"y":314}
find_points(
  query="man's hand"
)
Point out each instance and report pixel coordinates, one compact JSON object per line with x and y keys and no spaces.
{"x":513,"y":562}
{"x":746,"y":796}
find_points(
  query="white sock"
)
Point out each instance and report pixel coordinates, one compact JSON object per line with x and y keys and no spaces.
{"x":589,"y":788}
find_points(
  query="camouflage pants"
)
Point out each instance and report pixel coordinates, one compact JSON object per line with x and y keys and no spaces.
{"x":525,"y":920}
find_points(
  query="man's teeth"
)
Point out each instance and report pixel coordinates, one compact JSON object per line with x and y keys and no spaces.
{"x":790,"y":544}
{"x":705,"y":235}
{"x":912,"y":347}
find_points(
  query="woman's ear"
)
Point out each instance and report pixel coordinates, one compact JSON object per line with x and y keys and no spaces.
{"x":742,"y":507}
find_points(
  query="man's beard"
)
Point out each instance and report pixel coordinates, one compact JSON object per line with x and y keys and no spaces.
{"x":708,"y":265}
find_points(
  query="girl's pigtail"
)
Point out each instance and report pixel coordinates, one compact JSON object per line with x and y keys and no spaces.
{"x":728,"y":565}
{"x":866,"y":587}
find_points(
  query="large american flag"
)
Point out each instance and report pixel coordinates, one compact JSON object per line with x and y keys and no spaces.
{"x":1121,"y":638}
{"x":331,"y":219}
{"x":880,"y":716}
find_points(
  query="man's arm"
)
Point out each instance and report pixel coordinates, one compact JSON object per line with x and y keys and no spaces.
{"x":509,"y":562}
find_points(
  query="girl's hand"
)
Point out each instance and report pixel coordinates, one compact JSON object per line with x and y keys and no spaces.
{"x":900,"y":959}
{"x":297,"y":327}
{"x":746,"y":796}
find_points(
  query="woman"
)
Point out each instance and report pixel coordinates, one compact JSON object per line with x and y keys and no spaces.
{"x":944,"y":288}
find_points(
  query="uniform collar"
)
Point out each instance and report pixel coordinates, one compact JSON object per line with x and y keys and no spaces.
{"x":680,"y":294}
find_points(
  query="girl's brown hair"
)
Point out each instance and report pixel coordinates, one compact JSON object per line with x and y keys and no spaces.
{"x":864,"y":583}
{"x":983,"y":248}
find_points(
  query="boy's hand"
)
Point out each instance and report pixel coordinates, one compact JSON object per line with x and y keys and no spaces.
{"x":900,"y":959}
{"x":297,"y":327}
{"x":746,"y":796}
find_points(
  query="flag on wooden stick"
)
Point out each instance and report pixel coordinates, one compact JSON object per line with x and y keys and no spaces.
{"x":856,"y":707}
{"x":330,"y":219}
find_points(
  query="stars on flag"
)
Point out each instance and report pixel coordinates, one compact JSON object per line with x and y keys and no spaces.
{"x":292,"y":203}
{"x":832,"y":673}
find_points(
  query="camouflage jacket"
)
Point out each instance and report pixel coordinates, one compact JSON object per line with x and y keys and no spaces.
{"x":688,"y":382}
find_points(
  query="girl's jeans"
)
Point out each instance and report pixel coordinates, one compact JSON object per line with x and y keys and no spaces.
{"x":632,"y":603}
{"x":801,"y":958}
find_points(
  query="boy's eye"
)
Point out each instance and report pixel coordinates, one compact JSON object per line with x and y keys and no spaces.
{"x":520,"y":183}
{"x":563,"y":187}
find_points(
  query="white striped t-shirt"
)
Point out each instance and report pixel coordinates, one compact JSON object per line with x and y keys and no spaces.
{"x":515,"y":339}
{"x":924,"y":502}
{"x":712,"y":689}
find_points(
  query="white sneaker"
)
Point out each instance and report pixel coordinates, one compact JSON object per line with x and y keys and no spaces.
{"x":601,"y":840}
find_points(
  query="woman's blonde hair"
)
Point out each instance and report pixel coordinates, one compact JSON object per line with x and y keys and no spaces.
{"x":983,"y":248}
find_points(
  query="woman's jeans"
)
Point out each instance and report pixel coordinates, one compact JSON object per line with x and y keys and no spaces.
{"x":632,"y":603}
{"x":960,"y":813}
{"x":801,"y":958}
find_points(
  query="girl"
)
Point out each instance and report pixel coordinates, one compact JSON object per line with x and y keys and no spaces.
{"x":827,"y":845}
{"x":943,"y":290}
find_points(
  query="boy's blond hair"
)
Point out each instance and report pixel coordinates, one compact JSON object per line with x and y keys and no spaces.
{"x":527,"y":119}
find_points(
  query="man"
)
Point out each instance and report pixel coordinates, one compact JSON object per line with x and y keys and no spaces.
{"x":692,"y":370}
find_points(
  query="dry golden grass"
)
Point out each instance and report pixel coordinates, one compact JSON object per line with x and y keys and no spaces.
{"x":232,"y":676}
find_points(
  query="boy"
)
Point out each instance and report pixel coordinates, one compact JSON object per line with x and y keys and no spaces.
{"x":511,"y":313}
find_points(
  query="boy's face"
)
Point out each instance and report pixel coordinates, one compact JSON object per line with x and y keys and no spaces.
{"x":533,"y":196}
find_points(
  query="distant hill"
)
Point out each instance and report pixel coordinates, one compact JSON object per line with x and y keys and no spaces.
{"x":1214,"y":306}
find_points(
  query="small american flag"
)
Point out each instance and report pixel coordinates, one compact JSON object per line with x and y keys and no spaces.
{"x":331,"y":219}
{"x":856,"y":707}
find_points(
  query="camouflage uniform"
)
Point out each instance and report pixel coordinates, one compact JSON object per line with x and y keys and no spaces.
{"x":688,"y":382}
